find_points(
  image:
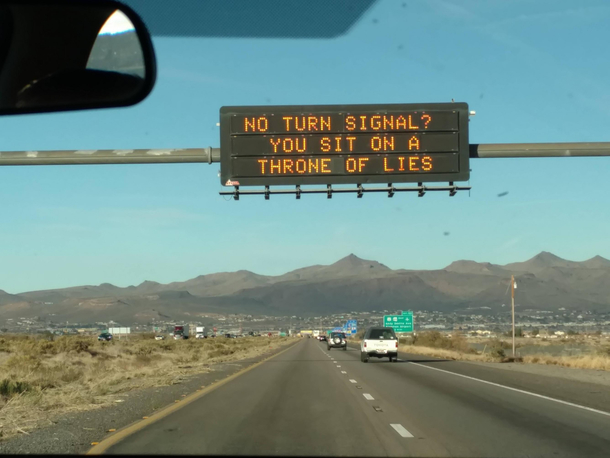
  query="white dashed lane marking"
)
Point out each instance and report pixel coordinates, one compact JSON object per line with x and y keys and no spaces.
{"x":401,"y":430}
{"x":343,"y":372}
{"x":352,"y":380}
{"x":368,"y":397}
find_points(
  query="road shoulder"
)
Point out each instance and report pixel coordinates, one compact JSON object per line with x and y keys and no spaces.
{"x":74,"y":433}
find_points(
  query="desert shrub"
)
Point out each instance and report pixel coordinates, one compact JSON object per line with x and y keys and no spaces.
{"x":143,"y":350}
{"x":496,"y":348}
{"x":459,"y":343}
{"x":5,"y":345}
{"x":604,"y":351}
{"x":55,"y":376}
{"x":146,"y":336}
{"x":434,"y":339}
{"x":67,"y":344}
{"x":10,"y":388}
{"x":23,"y":363}
{"x":221,"y":352}
{"x":142,"y":359}
{"x":195,"y":356}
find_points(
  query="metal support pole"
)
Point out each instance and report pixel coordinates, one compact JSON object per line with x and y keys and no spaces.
{"x":512,"y":293}
{"x":506,"y":150}
{"x":211,"y":155}
{"x":126,"y":156}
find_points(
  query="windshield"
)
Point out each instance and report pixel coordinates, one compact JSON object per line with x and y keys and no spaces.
{"x":489,"y":304}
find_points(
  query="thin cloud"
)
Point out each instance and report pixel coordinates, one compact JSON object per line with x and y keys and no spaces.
{"x":510,"y":243}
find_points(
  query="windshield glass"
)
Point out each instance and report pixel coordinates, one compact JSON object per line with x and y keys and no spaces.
{"x":493,"y":299}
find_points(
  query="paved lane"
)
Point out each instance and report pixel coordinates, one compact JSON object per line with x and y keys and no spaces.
{"x":295,"y":404}
{"x":470,"y":418}
{"x":309,"y":401}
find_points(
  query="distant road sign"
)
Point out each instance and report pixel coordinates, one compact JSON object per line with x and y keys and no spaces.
{"x":351,"y":327}
{"x":400,"y":323}
{"x":341,"y":144}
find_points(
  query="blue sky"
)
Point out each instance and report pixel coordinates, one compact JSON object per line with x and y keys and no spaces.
{"x":533,"y":71}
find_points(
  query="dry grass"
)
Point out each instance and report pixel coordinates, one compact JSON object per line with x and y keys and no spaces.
{"x":40,"y":379}
{"x":432,"y":343}
{"x":593,"y":361}
{"x":445,"y":354}
{"x":598,"y":362}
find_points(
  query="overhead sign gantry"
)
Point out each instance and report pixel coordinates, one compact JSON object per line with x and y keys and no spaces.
{"x":344,"y":144}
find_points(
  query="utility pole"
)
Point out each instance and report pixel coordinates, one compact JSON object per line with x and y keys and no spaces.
{"x":512,"y":294}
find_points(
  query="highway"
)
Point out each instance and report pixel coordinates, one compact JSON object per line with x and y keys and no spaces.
{"x":310,"y":401}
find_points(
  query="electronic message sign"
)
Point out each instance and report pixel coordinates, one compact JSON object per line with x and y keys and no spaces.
{"x":336,"y":144}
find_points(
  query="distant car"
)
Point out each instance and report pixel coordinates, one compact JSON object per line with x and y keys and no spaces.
{"x":159,"y":337}
{"x":200,"y":335}
{"x":323,"y":339}
{"x":104,"y":336}
{"x":380,"y":343}
{"x":336,"y":340}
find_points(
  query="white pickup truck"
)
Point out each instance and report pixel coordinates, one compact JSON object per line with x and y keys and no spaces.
{"x":379,"y":343}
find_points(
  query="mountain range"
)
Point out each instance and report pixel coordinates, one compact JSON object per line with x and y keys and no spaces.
{"x":545,"y":282}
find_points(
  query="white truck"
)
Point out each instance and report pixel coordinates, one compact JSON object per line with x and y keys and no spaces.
{"x":181,"y":331}
{"x":316,"y":333}
{"x":200,"y":332}
{"x":379,"y":342}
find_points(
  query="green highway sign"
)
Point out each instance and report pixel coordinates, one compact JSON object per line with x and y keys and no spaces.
{"x":400,"y":323}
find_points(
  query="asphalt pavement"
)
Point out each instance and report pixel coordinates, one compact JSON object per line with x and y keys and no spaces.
{"x":311,"y":401}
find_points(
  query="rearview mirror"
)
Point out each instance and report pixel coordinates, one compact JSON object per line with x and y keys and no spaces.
{"x":58,"y":55}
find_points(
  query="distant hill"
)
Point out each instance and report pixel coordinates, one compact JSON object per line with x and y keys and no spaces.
{"x":472,"y":267}
{"x":541,"y":261}
{"x":6,"y":298}
{"x":545,"y":282}
{"x":596,"y":262}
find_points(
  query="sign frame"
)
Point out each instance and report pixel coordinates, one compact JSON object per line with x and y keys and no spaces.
{"x":228,"y":178}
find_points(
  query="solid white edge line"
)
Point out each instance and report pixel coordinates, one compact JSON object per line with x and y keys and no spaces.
{"x":352,"y":380}
{"x":571,"y":404}
{"x":400,"y":429}
{"x":368,"y":397}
